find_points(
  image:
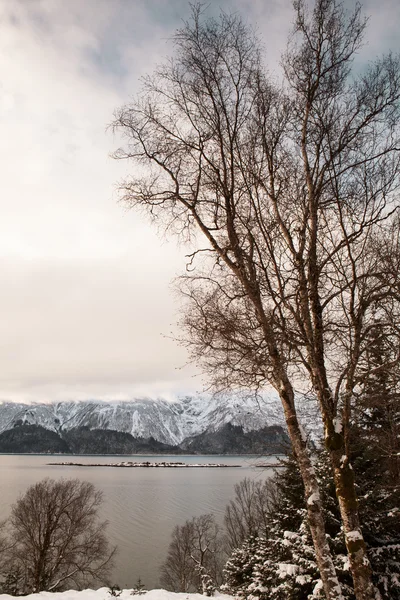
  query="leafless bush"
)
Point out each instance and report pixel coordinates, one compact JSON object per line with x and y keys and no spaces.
{"x":249,"y":512}
{"x":195,"y":556}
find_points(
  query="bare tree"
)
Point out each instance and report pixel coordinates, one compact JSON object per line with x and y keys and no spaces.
{"x":178,"y":572}
{"x":5,"y":565}
{"x":4,"y":542}
{"x":248,"y":513}
{"x":58,"y":541}
{"x":291,"y":188}
{"x":195,"y":556}
{"x":191,"y":129}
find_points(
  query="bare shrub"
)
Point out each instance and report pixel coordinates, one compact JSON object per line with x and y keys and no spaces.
{"x":248,"y":513}
{"x":195,"y":556}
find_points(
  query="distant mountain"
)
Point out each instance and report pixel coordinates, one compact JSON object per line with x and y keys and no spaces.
{"x":190,"y":424}
{"x":34,"y":439}
{"x":166,"y":422}
{"x":229,"y":439}
{"x":105,"y":441}
{"x":232,"y":439}
{"x":28,"y":439}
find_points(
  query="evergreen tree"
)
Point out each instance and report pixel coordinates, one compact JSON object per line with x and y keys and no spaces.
{"x":375,"y":439}
{"x":282,"y":564}
{"x":376,"y":416}
{"x":139,"y":588}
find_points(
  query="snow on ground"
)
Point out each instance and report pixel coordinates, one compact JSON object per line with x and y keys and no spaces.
{"x":104,"y":594}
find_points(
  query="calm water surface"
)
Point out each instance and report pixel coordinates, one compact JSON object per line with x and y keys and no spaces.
{"x":141,"y":505}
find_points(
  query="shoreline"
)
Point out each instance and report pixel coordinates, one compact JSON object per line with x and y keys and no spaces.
{"x":180,"y":455}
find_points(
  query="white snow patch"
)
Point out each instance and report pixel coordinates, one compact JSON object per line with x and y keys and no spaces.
{"x":286,"y":570}
{"x":303,"y":433}
{"x":290,"y":535}
{"x":318,"y":588}
{"x":345,"y":561}
{"x":353,"y":536}
{"x":338,"y":424}
{"x":313,"y":499}
{"x":104,"y":594}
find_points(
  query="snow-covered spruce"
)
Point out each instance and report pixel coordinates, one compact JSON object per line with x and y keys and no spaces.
{"x":280,"y":564}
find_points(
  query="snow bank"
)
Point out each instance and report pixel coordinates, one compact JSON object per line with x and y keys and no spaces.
{"x":104,"y":594}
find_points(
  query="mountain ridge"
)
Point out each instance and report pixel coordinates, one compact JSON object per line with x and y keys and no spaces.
{"x":167,"y":422}
{"x":229,"y":439}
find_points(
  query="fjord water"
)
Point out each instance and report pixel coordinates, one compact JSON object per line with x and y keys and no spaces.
{"x":142,"y":505}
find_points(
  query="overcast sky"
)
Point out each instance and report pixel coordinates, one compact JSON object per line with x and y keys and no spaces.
{"x":85,"y":296}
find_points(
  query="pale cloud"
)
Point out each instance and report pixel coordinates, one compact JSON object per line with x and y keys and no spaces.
{"x":85,"y":295}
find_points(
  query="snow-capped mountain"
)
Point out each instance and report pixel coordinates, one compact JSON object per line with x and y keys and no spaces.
{"x":167,"y":422}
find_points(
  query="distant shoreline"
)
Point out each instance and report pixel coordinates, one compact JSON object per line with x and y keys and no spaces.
{"x":146,"y":464}
{"x":180,"y":455}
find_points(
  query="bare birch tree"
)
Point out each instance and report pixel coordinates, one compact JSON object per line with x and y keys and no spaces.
{"x":248,"y":513}
{"x":291,"y":188}
{"x":58,"y":541}
{"x":195,"y":556}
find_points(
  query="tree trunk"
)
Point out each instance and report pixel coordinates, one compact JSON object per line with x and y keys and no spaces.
{"x":280,"y":380}
{"x":348,"y":503}
{"x":316,"y":521}
{"x":334,"y":438}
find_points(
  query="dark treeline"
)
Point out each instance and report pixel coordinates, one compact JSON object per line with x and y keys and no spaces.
{"x":228,"y":439}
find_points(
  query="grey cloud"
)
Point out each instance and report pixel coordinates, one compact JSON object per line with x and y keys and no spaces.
{"x":85,"y":284}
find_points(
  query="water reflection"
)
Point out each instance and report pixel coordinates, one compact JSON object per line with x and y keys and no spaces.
{"x":141,"y":505}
